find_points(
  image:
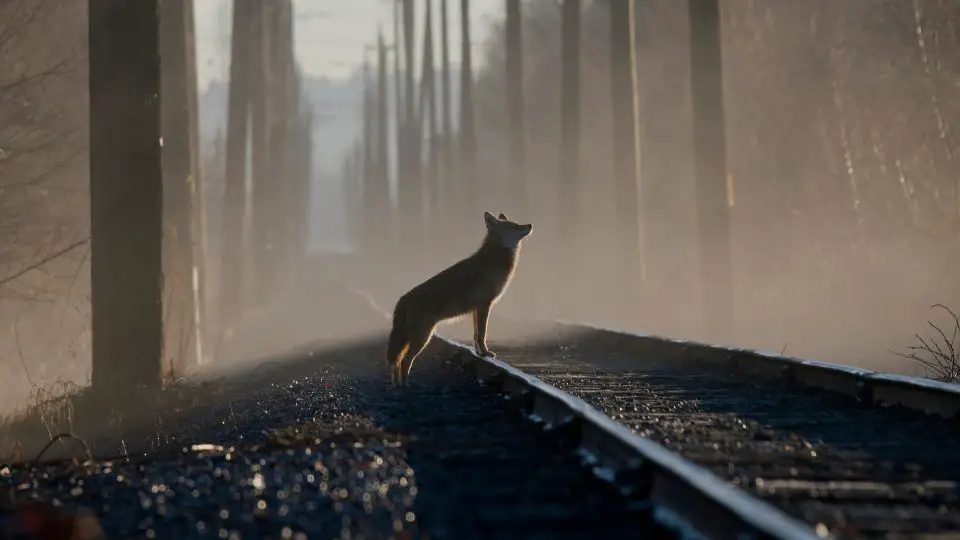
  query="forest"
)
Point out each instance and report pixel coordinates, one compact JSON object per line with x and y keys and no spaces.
{"x":843,"y":192}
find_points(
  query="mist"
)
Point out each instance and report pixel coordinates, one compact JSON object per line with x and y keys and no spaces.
{"x":842,"y":199}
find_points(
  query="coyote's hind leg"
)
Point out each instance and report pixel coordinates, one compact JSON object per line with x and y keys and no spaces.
{"x":397,"y":348}
{"x":418,"y":342}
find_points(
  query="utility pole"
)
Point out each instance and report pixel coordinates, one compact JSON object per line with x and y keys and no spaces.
{"x":710,"y":165}
{"x":515,"y":106}
{"x":626,"y":139}
{"x":126,"y":195}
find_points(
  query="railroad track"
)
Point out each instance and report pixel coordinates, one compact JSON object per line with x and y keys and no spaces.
{"x":337,"y":454}
{"x":846,"y":452}
{"x":838,"y":463}
{"x":320,"y":446}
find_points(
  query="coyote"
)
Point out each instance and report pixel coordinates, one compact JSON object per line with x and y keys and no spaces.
{"x":470,"y":286}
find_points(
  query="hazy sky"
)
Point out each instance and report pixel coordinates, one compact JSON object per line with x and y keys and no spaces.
{"x":330,"y":34}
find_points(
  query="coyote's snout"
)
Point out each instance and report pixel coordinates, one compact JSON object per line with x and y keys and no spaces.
{"x":470,"y":286}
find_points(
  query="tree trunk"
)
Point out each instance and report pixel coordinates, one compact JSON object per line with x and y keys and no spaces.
{"x":570,"y":119}
{"x":710,"y":162}
{"x":569,"y":225}
{"x":397,"y":81}
{"x":126,"y":195}
{"x":428,"y":117}
{"x":468,"y":135}
{"x":232,"y":232}
{"x":282,"y":102}
{"x":261,"y":118}
{"x":626,"y":159}
{"x":302,"y":145}
{"x":199,"y":218}
{"x":447,"y":113}
{"x":381,"y":189}
{"x":370,"y":233}
{"x":411,"y":188}
{"x":515,"y":109}
{"x":180,"y":322}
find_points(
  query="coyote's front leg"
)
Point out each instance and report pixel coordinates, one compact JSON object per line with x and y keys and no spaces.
{"x":480,"y":318}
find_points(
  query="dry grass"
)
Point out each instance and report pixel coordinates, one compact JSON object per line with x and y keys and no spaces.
{"x":937,"y":354}
{"x":123,"y":427}
{"x":51,"y":405}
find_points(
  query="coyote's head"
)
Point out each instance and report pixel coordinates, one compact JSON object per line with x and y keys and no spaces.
{"x":507,"y":233}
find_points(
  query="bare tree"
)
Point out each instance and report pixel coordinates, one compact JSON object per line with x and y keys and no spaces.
{"x":41,"y":138}
{"x":44,"y":247}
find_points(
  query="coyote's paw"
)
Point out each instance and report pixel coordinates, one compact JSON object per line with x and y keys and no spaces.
{"x":484,"y":352}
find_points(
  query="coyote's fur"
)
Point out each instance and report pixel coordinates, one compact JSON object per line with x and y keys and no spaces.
{"x":470,"y":286}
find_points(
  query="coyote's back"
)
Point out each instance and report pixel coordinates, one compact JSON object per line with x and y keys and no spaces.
{"x":471,"y":286}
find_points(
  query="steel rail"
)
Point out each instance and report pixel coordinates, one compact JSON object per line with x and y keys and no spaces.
{"x":882,"y":389}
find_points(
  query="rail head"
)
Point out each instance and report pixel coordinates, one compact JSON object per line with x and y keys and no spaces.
{"x":883,"y":389}
{"x":713,"y":507}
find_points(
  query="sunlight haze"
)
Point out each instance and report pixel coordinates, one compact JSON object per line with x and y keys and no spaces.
{"x":329,"y":34}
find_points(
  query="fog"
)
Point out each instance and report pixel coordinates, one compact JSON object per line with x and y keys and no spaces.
{"x":839,"y":143}
{"x":840,"y":151}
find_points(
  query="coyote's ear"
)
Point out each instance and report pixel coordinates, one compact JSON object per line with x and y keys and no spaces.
{"x":503,"y":216}
{"x":489,"y":219}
